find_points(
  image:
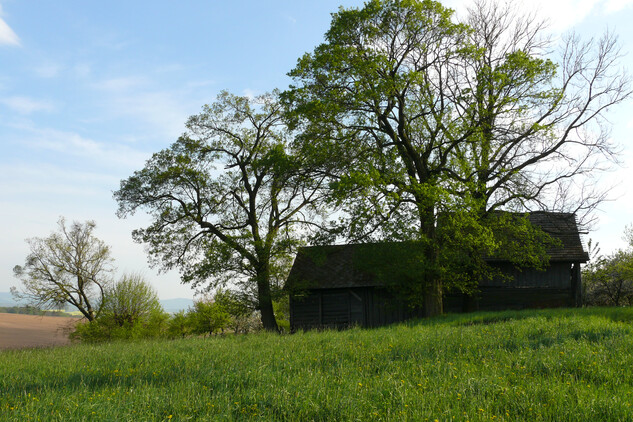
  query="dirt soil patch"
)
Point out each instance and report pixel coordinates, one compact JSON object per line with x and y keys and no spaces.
{"x":22,"y":331}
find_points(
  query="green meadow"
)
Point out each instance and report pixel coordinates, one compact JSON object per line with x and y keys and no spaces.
{"x":551,"y":365}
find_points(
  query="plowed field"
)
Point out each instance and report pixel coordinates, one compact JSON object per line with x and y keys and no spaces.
{"x":21,"y":331}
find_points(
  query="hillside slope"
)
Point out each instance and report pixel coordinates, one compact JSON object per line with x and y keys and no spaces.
{"x":562,"y":365}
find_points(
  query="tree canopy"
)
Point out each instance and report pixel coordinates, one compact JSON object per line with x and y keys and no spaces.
{"x":69,"y":267}
{"x":226,"y":199}
{"x":454,"y":119}
{"x":415,"y":126}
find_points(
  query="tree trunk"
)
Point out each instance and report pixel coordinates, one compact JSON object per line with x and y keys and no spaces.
{"x":433,"y":301}
{"x":433,"y":304}
{"x":264,"y":298}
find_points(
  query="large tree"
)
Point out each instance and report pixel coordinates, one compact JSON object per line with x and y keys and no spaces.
{"x":365,"y":88}
{"x":226,"y":199}
{"x":536,"y":112}
{"x":69,"y":267}
{"x":441,"y":118}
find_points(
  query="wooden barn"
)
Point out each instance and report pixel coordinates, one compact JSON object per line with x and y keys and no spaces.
{"x":336,"y":286}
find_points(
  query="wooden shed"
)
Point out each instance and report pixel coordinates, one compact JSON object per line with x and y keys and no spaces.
{"x":333,"y":286}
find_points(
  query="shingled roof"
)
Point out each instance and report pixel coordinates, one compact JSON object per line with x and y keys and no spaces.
{"x":561,"y":226}
{"x":342,"y":266}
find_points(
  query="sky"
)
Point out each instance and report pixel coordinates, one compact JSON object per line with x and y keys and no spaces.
{"x":89,"y":90}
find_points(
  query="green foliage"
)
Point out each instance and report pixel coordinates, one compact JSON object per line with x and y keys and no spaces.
{"x":178,"y":325}
{"x":242,"y":318}
{"x":226,"y":199}
{"x":424,"y":116}
{"x":225,"y":310}
{"x":131,"y":301}
{"x":552,"y":365}
{"x":131,"y":310}
{"x":608,"y":281}
{"x":208,"y":317}
{"x":282,"y":313}
{"x":105,"y":328}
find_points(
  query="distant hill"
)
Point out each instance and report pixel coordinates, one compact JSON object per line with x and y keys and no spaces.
{"x":170,"y":305}
{"x":175,"y":305}
{"x":6,"y":299}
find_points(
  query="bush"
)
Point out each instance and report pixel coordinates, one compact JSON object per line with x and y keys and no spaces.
{"x":131,"y":309}
{"x":208,"y":317}
{"x":243,"y":318}
{"x":609,"y":281}
{"x":178,"y":325}
{"x":281,"y":308}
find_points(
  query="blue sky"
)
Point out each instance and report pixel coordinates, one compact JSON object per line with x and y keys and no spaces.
{"x":89,"y":90}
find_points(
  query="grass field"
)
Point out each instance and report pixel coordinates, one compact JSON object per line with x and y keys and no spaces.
{"x":555,"y":365}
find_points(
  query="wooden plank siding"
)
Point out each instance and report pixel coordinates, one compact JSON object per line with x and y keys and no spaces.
{"x":340,"y":308}
{"x":347,"y":285}
{"x":557,"y":275}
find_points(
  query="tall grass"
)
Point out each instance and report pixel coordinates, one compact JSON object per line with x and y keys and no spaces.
{"x":553,"y":365}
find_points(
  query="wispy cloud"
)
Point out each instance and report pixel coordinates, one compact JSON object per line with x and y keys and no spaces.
{"x":26,"y":138}
{"x":160,"y":110}
{"x":120,"y":85}
{"x":48,"y":70}
{"x":25,"y":179}
{"x":7,"y":36}
{"x":250,"y":93}
{"x":103,"y":154}
{"x":562,"y":15}
{"x":612,"y":6}
{"x":292,"y":20}
{"x":26,"y":105}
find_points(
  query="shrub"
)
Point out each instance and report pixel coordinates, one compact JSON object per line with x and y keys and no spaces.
{"x":208,"y":317}
{"x":178,"y":326}
{"x":609,"y":281}
{"x":131,"y":309}
{"x":281,"y":308}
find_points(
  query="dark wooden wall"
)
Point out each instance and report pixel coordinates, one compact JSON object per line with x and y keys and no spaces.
{"x":373,"y":306}
{"x":556,"y":276}
{"x":336,"y":308}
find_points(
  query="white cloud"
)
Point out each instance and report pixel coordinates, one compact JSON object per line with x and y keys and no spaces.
{"x":562,"y":15}
{"x":48,"y":70}
{"x":100,"y":153}
{"x":82,"y":70}
{"x":113,"y":155}
{"x":292,"y":20}
{"x":7,"y":36}
{"x":118,"y":85}
{"x":250,"y":93}
{"x":613,"y":6}
{"x":26,"y":105}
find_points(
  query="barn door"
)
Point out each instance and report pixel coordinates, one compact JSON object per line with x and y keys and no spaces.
{"x":356,"y":309}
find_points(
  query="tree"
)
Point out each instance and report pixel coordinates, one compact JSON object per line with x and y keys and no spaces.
{"x":208,"y":317}
{"x":365,"y":88}
{"x":450,"y":119}
{"x":242,"y":318}
{"x":131,"y":309}
{"x":609,"y":280}
{"x":226,"y":199}
{"x":536,"y":120}
{"x":178,"y":326}
{"x":69,"y":267}
{"x":131,"y":301}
